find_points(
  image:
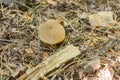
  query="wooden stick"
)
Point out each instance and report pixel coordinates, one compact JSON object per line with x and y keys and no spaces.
{"x":51,"y":63}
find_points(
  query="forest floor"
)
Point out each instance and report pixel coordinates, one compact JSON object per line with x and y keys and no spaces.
{"x":21,"y":48}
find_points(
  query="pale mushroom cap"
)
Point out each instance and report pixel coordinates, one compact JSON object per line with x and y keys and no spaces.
{"x":51,"y":32}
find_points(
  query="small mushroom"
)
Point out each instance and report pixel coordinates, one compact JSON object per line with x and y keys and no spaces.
{"x":51,"y":32}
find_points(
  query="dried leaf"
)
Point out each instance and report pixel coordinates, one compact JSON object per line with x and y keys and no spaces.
{"x":92,"y":65}
{"x":105,"y":74}
{"x":101,"y":19}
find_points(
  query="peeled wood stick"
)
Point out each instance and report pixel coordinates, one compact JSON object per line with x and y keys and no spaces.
{"x":51,"y":63}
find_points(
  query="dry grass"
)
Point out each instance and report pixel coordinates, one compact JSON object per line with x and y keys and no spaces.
{"x":21,"y":48}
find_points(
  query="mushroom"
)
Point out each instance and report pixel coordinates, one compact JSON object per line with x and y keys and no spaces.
{"x":51,"y":32}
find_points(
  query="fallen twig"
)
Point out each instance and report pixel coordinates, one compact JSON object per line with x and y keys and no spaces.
{"x":51,"y":63}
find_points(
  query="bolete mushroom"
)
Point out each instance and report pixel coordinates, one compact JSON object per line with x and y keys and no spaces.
{"x":51,"y":32}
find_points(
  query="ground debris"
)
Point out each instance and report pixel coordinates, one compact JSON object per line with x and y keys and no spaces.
{"x":21,"y":48}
